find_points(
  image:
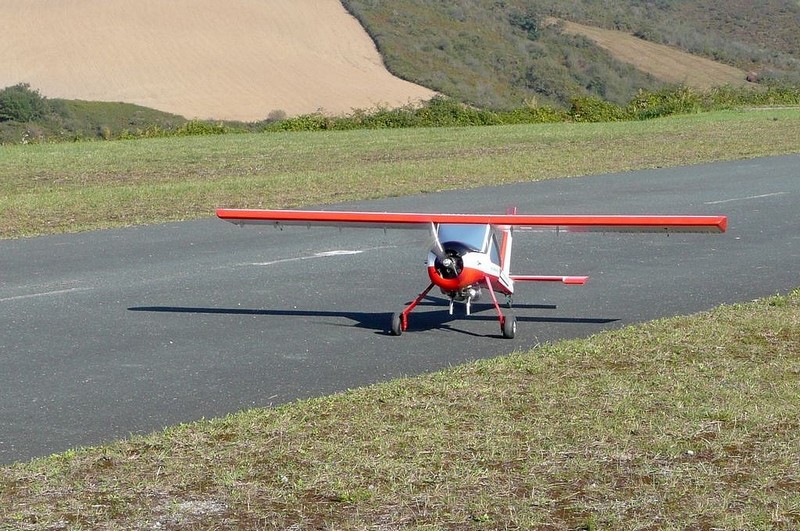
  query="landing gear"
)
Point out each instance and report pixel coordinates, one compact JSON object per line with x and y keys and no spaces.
{"x":508,"y":323}
{"x":397,"y":324}
{"x":509,"y":327}
{"x":400,"y":320}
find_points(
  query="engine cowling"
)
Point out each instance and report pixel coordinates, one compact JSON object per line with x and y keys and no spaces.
{"x":455,"y":268}
{"x":451,"y":264}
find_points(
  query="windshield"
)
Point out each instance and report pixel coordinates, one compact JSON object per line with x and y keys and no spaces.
{"x":473,"y":236}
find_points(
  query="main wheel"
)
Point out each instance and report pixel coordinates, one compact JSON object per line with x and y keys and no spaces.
{"x":509,"y":327}
{"x":397,"y":324}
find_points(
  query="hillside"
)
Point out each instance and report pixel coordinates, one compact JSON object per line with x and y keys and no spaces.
{"x":502,"y":53}
{"x":233,"y":60}
{"x":251,"y":59}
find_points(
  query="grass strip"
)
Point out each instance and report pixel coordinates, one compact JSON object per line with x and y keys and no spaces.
{"x":687,"y":422}
{"x":51,"y":188}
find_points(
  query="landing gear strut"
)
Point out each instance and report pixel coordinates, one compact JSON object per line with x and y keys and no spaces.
{"x":400,"y":320}
{"x":508,"y":324}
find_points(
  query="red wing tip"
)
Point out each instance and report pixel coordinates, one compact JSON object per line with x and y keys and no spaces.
{"x":224,"y":213}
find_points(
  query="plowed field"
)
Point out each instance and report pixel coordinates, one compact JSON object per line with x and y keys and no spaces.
{"x":662,"y":62}
{"x":238,"y":59}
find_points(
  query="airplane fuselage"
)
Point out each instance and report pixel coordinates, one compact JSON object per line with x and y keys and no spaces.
{"x":466,"y":259}
{"x":471,"y":272}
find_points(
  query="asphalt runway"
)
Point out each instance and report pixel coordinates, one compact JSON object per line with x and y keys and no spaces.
{"x":109,"y":333}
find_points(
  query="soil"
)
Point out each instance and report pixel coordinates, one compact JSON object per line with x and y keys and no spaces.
{"x":232,"y":60}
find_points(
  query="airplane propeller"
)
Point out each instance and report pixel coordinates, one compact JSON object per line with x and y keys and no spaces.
{"x":448,"y":259}
{"x":437,"y":247}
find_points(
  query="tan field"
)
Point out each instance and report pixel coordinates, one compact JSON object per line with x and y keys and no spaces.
{"x":231,"y":60}
{"x":662,"y":62}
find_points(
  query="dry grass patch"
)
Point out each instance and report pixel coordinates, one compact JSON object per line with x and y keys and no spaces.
{"x":662,"y":62}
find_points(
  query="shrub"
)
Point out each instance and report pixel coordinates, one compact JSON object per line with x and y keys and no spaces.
{"x":591,"y":109}
{"x":533,"y":115}
{"x":384,"y":118}
{"x":665,"y":102}
{"x":445,"y":112}
{"x":200,"y":128}
{"x":527,"y":21}
{"x":276,"y":115}
{"x":22,"y":104}
{"x":306,"y":122}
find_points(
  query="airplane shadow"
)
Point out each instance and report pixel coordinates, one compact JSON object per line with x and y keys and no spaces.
{"x":367,"y":320}
{"x":380,"y":321}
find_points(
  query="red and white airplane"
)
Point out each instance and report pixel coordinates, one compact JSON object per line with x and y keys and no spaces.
{"x":472,"y":252}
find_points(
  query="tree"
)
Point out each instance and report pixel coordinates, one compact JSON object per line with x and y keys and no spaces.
{"x":20,"y":103}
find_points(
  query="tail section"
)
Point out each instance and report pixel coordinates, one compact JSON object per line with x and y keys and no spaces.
{"x":505,"y":261}
{"x":575,"y":280}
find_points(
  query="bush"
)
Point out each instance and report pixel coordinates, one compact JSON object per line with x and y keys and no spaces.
{"x":533,"y":115}
{"x":21,"y":104}
{"x":591,"y":109}
{"x":438,"y":112}
{"x":306,"y":122}
{"x":665,"y":102}
{"x":201,"y":128}
{"x":445,"y":112}
{"x":527,"y":21}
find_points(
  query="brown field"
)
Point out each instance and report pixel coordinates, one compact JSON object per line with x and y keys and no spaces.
{"x":662,"y":62}
{"x":232,"y":60}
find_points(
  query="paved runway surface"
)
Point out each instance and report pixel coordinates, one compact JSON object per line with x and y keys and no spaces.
{"x":109,"y":333}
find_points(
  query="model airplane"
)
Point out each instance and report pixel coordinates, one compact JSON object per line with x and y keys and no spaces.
{"x":472,"y":252}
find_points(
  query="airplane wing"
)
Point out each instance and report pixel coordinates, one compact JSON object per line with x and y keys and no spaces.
{"x":569,"y":223}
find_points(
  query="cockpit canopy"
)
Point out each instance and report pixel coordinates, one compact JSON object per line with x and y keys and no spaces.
{"x":474,"y":237}
{"x":457,"y":239}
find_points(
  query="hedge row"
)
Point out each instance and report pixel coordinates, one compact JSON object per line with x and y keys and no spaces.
{"x":24,"y":112}
{"x":444,"y":112}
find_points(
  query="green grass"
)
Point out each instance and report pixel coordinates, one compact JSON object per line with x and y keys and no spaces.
{"x":689,"y":422}
{"x":50,"y":188}
{"x":682,"y":423}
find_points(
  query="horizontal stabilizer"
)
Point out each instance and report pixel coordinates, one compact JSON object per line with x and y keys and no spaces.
{"x":550,"y":278}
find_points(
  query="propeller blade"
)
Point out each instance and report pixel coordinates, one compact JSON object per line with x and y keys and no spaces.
{"x":437,"y":248}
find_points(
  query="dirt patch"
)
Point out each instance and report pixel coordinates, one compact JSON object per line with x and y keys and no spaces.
{"x":236,"y":60}
{"x":662,"y":62}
